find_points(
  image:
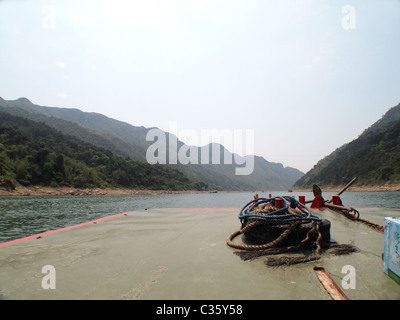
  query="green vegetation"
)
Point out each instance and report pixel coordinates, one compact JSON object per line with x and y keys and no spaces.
{"x":129,"y":142}
{"x":33,"y":153}
{"x":374,"y":157}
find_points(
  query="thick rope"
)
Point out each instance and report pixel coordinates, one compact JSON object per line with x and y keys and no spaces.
{"x":294,"y":260}
{"x":262,"y":212}
{"x":271,"y":244}
{"x":249,"y":255}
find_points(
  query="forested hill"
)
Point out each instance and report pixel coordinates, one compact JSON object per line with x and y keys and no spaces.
{"x":32,"y":153}
{"x":374,"y":157}
{"x":130,"y":141}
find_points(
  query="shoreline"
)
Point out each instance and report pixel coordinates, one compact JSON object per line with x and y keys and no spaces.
{"x":70,"y":191}
{"x":362,"y":188}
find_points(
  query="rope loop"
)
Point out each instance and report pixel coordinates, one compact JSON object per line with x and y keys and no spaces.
{"x":263,"y":211}
{"x":279,"y":216}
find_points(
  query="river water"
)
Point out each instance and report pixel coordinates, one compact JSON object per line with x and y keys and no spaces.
{"x":21,"y":216}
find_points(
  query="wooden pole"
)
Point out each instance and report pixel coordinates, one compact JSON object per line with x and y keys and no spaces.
{"x":345,"y":188}
{"x":330,"y":285}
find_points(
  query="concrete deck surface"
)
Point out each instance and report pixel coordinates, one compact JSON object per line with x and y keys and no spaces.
{"x":182,"y":254}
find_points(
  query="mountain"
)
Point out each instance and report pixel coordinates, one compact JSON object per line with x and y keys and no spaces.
{"x":84,"y":126}
{"x":32,"y":153}
{"x":374,"y":157}
{"x":130,"y":141}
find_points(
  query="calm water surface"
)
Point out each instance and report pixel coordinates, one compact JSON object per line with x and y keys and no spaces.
{"x":23,"y":216}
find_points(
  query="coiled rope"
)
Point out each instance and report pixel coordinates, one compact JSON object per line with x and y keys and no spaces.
{"x":262,"y":211}
{"x":279,"y":216}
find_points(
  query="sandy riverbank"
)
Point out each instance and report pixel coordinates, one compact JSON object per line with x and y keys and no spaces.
{"x":66,"y":191}
{"x":363,"y":188}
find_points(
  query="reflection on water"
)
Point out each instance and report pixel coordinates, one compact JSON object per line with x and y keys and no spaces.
{"x":23,"y":216}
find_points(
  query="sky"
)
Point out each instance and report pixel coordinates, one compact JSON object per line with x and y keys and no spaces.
{"x":304,"y":76}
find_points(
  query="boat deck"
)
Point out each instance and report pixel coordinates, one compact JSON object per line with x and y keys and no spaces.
{"x":182,"y":254}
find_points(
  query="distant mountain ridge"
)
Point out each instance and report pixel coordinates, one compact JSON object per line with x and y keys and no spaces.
{"x":35,"y":154}
{"x":374,"y":157}
{"x":130,"y":141}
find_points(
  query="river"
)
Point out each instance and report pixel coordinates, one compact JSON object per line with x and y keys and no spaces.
{"x":21,"y":216}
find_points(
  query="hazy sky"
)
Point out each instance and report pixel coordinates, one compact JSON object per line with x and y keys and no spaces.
{"x":305,"y":76}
